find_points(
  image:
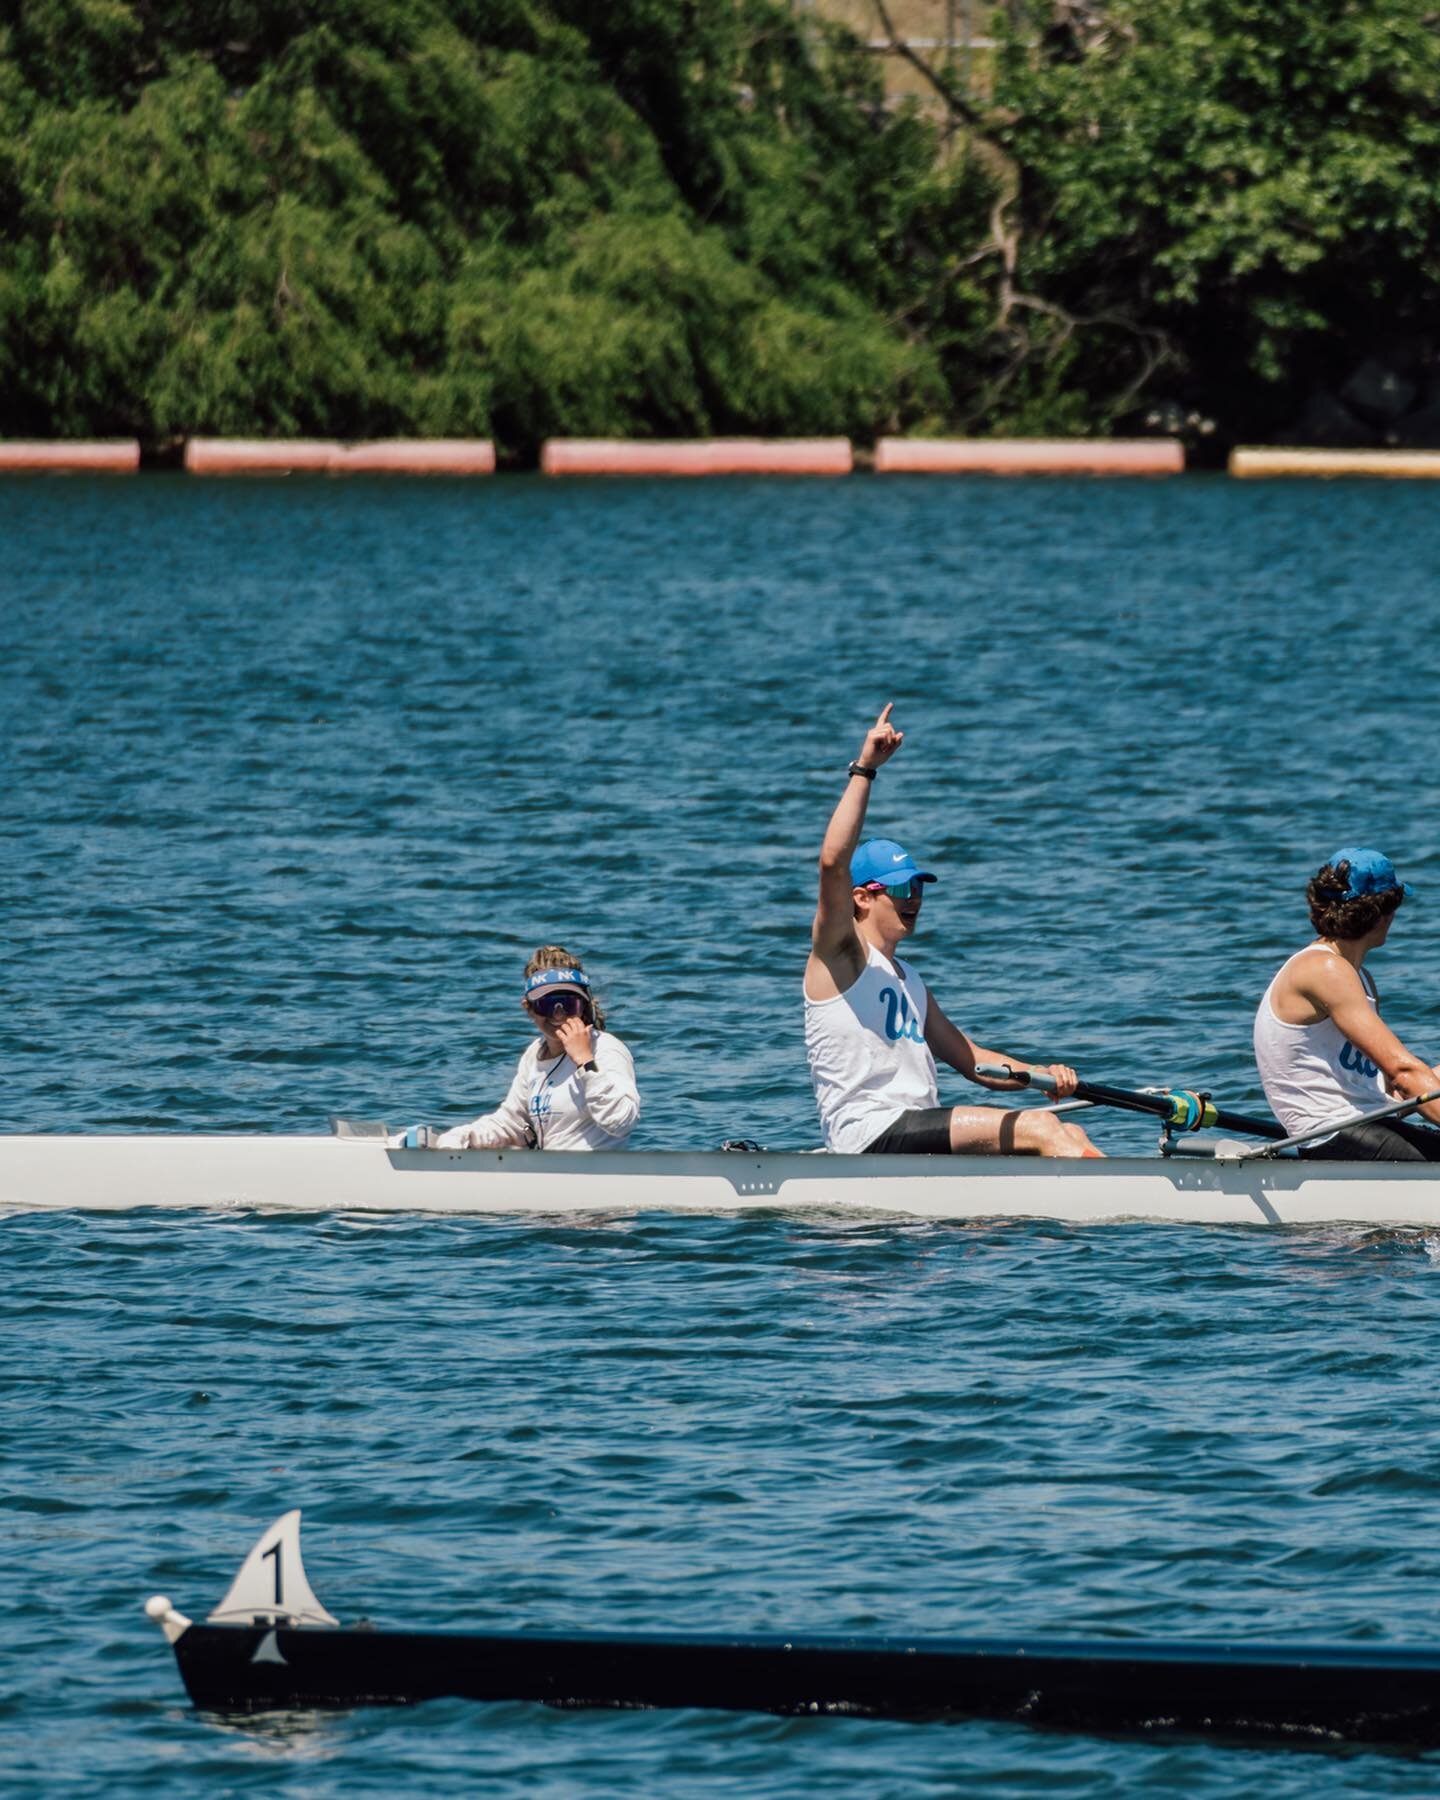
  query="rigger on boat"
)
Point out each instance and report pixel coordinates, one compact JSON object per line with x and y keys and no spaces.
{"x":271,"y":1645}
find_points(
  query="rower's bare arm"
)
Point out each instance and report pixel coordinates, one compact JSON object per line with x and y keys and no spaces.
{"x":949,"y":1044}
{"x":833,"y":941}
{"x":1335,"y":988}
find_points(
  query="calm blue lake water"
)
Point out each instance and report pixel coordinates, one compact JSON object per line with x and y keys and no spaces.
{"x":298,"y":773}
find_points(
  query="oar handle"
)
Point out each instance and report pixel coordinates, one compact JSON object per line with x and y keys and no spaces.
{"x":1036,"y":1078}
{"x":1159,"y":1106}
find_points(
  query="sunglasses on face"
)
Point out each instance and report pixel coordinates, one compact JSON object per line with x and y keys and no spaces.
{"x":556,"y":1006}
{"x":905,"y":890}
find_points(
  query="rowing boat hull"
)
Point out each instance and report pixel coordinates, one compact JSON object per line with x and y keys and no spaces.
{"x":1355,"y":1693}
{"x":325,"y":1174}
{"x":270,"y":1645}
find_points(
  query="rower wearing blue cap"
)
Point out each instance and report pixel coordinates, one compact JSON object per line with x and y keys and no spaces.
{"x":1322,"y":1049}
{"x":873,"y":1030}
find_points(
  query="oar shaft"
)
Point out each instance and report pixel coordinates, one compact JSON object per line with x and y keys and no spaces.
{"x":1163,"y":1106}
{"x":1172,"y":1108}
{"x":1397,"y":1109}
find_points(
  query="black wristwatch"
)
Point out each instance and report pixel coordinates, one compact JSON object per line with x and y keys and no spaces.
{"x":590,"y":1068}
{"x":860,"y":769}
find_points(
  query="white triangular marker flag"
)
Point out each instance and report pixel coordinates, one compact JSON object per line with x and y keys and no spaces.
{"x":267,"y":1650}
{"x":271,"y":1587}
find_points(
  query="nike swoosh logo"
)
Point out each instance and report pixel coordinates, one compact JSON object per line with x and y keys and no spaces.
{"x":900,"y":858}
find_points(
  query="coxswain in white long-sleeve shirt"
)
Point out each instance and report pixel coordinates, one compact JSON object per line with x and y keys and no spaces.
{"x":574,"y":1088}
{"x":873,"y":1030}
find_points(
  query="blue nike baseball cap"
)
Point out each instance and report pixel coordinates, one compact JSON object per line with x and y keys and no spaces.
{"x":885,"y":861}
{"x":1370,"y":873}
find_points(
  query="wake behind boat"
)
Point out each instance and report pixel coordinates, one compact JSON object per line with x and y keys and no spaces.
{"x":361,"y":1167}
{"x":270,"y":1644}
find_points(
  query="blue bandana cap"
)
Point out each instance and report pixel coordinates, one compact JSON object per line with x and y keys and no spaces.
{"x":883,"y":860}
{"x":556,"y":981}
{"x":1370,"y":873}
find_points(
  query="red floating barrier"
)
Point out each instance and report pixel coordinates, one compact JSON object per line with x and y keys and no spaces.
{"x":257,"y":456}
{"x":119,"y":458}
{"x":702,"y":456}
{"x":418,"y":456}
{"x":1028,"y":456}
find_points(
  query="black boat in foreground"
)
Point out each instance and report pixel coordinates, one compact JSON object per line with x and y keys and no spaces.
{"x":270,"y":1644}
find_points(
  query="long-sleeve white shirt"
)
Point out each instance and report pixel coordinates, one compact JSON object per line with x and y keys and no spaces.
{"x":554,"y":1105}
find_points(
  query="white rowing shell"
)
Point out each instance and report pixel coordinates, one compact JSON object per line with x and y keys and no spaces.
{"x":328,"y":1173}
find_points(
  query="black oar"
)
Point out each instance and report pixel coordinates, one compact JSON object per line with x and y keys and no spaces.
{"x":1395,"y":1110}
{"x":1180,"y":1109}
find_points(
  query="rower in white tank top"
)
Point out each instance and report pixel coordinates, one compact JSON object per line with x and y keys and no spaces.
{"x":867,"y":1053}
{"x":874,"y":1032}
{"x":1313,"y":1073}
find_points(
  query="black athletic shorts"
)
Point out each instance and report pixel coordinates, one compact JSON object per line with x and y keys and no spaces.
{"x":924,"y":1131}
{"x":1382,"y":1140}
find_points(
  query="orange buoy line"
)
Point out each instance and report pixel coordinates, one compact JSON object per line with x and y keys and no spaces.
{"x":1412,"y":465}
{"x":700,"y":456}
{"x":256,"y":456}
{"x":418,"y":456}
{"x":1028,"y":456}
{"x":118,"y":458}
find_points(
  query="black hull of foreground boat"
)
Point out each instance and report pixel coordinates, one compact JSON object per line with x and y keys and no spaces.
{"x":1253,"y":1691}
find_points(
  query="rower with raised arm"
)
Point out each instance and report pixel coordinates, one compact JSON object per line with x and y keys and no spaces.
{"x":1320,"y":1044}
{"x":873,"y":1030}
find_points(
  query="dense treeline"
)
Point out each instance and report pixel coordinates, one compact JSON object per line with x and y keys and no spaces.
{"x":1237,"y":201}
{"x":361,"y":217}
{"x":519,"y":218}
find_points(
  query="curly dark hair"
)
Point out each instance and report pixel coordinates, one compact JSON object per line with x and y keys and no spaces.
{"x":1333,"y":916}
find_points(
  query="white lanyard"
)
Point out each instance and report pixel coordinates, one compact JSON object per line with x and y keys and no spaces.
{"x":535,"y":1132}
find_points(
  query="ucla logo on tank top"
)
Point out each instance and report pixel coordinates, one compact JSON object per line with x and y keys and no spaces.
{"x":900,"y":1020}
{"x":1357,"y":1062}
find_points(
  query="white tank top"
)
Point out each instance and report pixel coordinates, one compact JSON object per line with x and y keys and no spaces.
{"x":1312,"y":1073}
{"x":867,"y":1052}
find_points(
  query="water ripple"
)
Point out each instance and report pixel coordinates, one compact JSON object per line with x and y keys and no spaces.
{"x":299,"y":773}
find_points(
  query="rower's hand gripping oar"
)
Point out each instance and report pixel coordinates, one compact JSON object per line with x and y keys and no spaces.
{"x":1179,"y":1109}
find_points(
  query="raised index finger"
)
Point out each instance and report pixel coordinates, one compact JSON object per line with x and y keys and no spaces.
{"x":885,"y":712}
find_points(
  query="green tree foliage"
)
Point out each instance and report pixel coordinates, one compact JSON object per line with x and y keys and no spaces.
{"x":372,"y":217}
{"x":521,"y":218}
{"x":1236,"y":198}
